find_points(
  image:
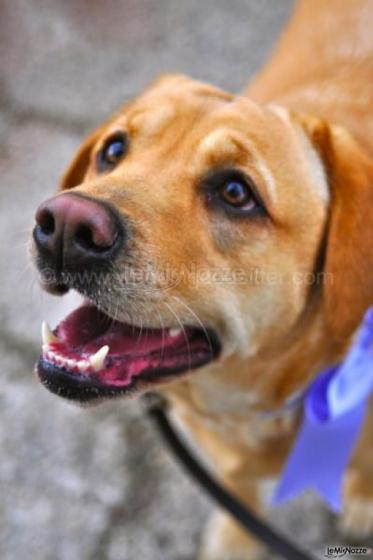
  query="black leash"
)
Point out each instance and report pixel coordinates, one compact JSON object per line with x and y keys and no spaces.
{"x":157,"y":410}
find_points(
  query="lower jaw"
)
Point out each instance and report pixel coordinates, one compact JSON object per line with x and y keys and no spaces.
{"x":89,"y":390}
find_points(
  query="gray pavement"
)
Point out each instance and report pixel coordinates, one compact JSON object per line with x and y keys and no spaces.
{"x":96,"y":484}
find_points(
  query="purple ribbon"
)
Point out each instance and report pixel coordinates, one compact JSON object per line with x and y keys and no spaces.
{"x":334,"y":410}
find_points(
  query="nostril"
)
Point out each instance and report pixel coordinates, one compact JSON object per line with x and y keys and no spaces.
{"x":85,"y":238}
{"x":46,"y":222}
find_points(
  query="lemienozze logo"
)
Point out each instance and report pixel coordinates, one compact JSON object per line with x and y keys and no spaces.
{"x":343,"y":551}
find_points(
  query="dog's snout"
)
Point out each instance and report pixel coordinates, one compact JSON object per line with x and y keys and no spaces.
{"x":70,"y":226}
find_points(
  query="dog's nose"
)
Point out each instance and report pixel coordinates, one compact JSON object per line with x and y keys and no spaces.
{"x":70,"y":226}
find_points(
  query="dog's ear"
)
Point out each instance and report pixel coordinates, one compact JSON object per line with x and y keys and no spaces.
{"x":77,"y":169}
{"x":348,"y":285}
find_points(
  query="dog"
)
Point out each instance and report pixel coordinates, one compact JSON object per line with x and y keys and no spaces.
{"x":223,"y":247}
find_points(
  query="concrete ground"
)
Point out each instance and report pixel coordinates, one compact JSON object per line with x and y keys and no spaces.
{"x":97,"y":484}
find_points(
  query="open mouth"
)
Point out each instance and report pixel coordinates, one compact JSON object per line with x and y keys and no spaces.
{"x":90,"y":356}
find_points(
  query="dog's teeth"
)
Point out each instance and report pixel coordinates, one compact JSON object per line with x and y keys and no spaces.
{"x":82,"y":366}
{"x":175,"y":332}
{"x":59,"y":360}
{"x":97,"y":360}
{"x":46,"y":334}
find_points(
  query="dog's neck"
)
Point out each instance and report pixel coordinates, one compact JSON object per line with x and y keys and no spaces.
{"x":266,"y":381}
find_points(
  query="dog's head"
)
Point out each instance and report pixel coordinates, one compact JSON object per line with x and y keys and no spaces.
{"x":199,"y":225}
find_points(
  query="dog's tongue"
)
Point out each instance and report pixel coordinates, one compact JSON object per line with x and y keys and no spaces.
{"x":87,"y":329}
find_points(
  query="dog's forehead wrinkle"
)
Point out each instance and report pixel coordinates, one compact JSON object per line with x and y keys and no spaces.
{"x":221,"y":141}
{"x":150,"y":119}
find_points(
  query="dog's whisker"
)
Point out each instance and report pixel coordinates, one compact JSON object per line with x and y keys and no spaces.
{"x":205,"y":331}
{"x":163,"y":332}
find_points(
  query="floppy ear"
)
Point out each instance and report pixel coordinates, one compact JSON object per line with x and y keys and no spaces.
{"x":348,"y":286}
{"x":77,"y":169}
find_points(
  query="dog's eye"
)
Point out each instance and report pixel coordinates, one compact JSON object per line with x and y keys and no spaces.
{"x":237,"y":194}
{"x":234,"y":192}
{"x":112,"y":152}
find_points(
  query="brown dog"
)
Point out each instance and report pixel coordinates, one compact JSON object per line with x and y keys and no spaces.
{"x":231,"y":235}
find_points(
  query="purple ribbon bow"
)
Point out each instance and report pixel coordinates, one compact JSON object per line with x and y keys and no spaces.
{"x":334,"y":410}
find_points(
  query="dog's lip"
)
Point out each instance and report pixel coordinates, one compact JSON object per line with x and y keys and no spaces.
{"x":89,"y":356}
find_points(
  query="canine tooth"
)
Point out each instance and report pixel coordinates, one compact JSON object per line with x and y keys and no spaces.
{"x":97,"y":360}
{"x":174,"y":332}
{"x":46,"y":334}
